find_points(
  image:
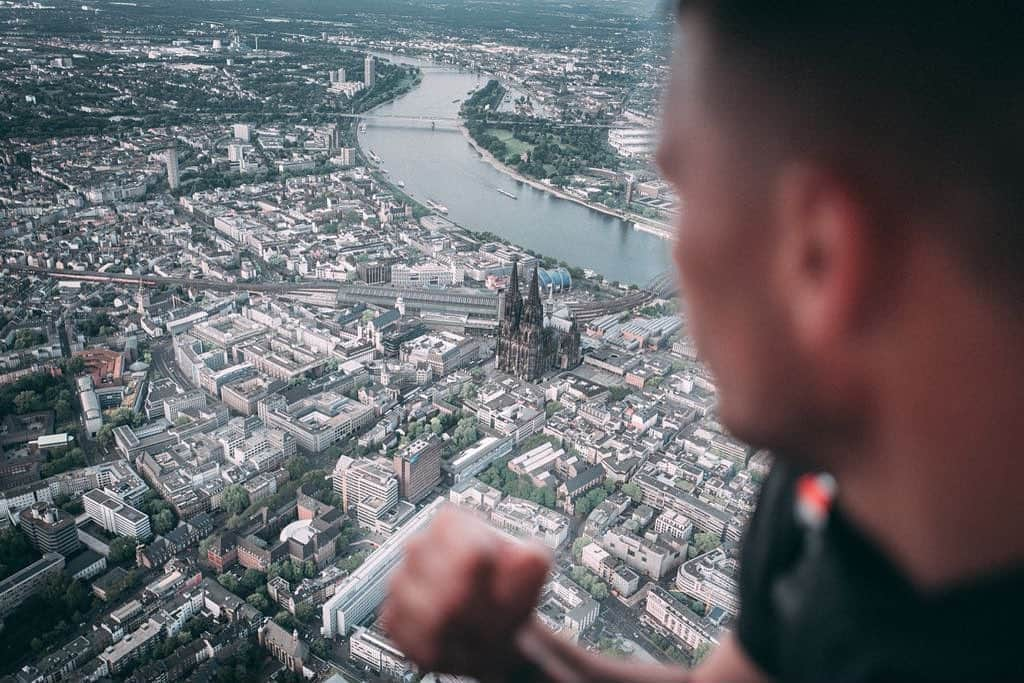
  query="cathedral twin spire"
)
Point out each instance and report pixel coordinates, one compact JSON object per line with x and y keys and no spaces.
{"x":526,"y":347}
{"x":532,"y":310}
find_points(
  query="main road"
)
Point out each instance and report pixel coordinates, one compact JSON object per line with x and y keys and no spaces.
{"x":439,"y":164}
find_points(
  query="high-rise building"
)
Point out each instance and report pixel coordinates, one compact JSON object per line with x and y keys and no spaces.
{"x":347,"y":157}
{"x":368,"y":486}
{"x":50,"y":529}
{"x":236,"y":155}
{"x":418,"y":467}
{"x":333,"y":135}
{"x":527,"y":345}
{"x":242,"y":131}
{"x":173,"y":178}
{"x":370,"y":71}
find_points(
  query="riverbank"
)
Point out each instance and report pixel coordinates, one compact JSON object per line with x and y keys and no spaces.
{"x":437,"y":163}
{"x":662,"y":232}
{"x":639,"y":222}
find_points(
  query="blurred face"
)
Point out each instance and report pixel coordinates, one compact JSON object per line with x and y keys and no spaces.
{"x":726,"y":253}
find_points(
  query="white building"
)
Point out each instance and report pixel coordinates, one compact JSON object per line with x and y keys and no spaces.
{"x":173,"y":177}
{"x":243,"y":132}
{"x":426,"y":275}
{"x":647,"y":554}
{"x":370,"y":71}
{"x":91,"y":411}
{"x":566,"y":608}
{"x":369,"y":486}
{"x":633,"y":142}
{"x":317,"y":422}
{"x":372,"y":648}
{"x":711,"y":578}
{"x":527,"y":519}
{"x":115,"y":515}
{"x":363,"y":591}
{"x":478,"y":458}
{"x":668,"y":614}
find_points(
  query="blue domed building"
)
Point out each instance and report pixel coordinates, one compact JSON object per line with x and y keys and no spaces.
{"x":557,"y":278}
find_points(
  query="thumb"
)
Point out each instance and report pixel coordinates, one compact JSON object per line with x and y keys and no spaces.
{"x":519,"y":575}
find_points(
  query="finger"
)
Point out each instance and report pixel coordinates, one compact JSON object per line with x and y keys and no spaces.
{"x":522,"y":569}
{"x":411,"y":619}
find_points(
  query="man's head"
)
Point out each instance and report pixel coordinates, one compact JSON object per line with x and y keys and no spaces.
{"x":850,"y":172}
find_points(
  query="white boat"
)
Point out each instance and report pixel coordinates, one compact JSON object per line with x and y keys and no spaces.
{"x":440,"y":208}
{"x":657,"y":231}
{"x":401,"y":183}
{"x":362,"y":127}
{"x":506,"y":193}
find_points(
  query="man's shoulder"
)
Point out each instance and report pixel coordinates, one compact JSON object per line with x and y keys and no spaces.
{"x":775,"y":517}
{"x":819,"y":601}
{"x":774,"y":542}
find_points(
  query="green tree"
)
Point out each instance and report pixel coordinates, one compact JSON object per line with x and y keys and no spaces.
{"x":705,"y":542}
{"x":258,"y":601}
{"x":26,"y":401}
{"x":352,"y":562}
{"x":74,"y":366}
{"x":599,"y":590}
{"x":105,"y":436}
{"x":577,"y":547}
{"x":321,"y":648}
{"x":596,"y":496}
{"x":122,"y":549}
{"x":252,"y":580}
{"x":76,"y":597}
{"x":465,"y":433}
{"x":235,"y":499}
{"x":15,"y":551}
{"x":297,"y":466}
{"x":62,"y":409}
{"x":305,"y":612}
{"x":634,"y":491}
{"x":285,"y":620}
{"x":618,"y":393}
{"x":163,"y":521}
{"x":228,"y":581}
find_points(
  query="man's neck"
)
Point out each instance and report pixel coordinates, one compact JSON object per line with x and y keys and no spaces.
{"x":937,"y":482}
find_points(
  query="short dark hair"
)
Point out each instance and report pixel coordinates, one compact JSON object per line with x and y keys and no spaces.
{"x":922,"y":101}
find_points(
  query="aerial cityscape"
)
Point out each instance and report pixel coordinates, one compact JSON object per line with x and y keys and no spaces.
{"x":282,"y":279}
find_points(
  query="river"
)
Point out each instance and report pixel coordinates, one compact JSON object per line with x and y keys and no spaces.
{"x":440,"y":165}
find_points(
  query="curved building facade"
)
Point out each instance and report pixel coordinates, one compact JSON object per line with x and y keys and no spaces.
{"x":557,"y":278}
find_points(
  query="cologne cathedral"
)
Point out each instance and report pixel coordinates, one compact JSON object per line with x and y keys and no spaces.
{"x":528,"y":343}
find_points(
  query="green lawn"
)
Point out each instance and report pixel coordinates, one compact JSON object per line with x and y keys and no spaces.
{"x":515,"y":147}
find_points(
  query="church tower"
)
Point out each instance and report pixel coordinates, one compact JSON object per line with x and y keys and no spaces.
{"x":527,"y":345}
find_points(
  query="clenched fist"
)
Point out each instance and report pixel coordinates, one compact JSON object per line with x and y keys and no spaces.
{"x":461,"y":596}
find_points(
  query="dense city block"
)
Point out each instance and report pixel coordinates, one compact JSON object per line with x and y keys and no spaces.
{"x":241,"y":363}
